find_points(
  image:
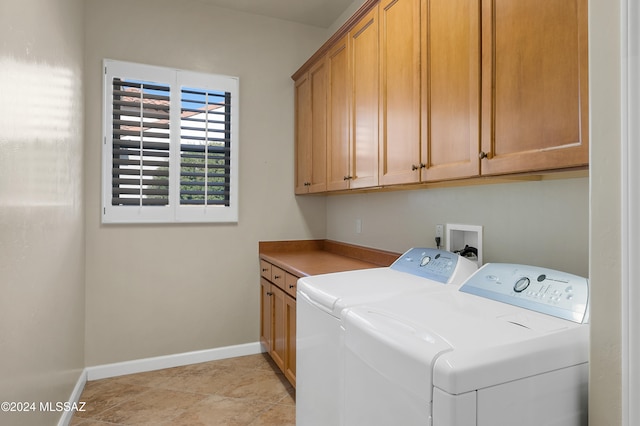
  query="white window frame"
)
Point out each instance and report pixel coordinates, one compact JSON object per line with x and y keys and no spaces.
{"x":174,"y":212}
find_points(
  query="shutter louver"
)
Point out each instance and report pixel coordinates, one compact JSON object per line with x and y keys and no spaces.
{"x":140,"y":163}
{"x":205,"y":147}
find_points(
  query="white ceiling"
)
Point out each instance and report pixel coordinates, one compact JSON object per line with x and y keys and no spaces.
{"x":319,"y":13}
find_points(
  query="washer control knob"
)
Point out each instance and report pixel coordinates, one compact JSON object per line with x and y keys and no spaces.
{"x":425,"y":260}
{"x":521,"y":284}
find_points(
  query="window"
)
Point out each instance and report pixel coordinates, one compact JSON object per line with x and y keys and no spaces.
{"x":170,"y":145}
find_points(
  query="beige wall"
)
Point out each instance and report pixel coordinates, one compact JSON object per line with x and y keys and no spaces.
{"x":541,"y":223}
{"x":605,"y":386}
{"x":41,"y":204}
{"x":344,"y":17}
{"x":165,"y":289}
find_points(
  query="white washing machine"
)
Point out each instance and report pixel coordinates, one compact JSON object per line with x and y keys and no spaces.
{"x":509,"y":348}
{"x":320,"y":302}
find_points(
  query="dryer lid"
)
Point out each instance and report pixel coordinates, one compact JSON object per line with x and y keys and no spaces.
{"x":393,"y":348}
{"x":487,"y":342}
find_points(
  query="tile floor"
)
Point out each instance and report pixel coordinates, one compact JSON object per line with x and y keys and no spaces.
{"x":248,"y":390}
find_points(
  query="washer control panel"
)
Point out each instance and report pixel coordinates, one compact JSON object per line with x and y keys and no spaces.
{"x":434,"y":264}
{"x":551,"y":292}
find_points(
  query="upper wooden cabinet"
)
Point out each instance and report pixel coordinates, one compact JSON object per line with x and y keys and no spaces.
{"x":399,"y":144}
{"x":535,"y":111}
{"x":338,"y":109}
{"x":365,"y":93}
{"x":430,"y":105}
{"x":437,"y":90}
{"x":450,"y":89}
{"x":352,"y":108}
{"x":310,"y":131}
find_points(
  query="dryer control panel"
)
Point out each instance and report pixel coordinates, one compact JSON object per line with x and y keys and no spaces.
{"x":548,"y":291}
{"x":434,"y":264}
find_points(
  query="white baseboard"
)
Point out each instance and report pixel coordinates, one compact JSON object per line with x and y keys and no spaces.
{"x":176,"y":360}
{"x":65,"y":419}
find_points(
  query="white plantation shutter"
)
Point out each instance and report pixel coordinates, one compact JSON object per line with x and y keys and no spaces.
{"x":170,"y":145}
{"x":140,"y":154}
{"x":205,"y":147}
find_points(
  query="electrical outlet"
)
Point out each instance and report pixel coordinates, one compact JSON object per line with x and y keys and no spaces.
{"x":439,"y":231}
{"x":358,"y":226}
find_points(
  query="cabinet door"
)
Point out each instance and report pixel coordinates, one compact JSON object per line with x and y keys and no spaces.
{"x":278,"y":343}
{"x":338,"y":101}
{"x":451,"y":89}
{"x":364,"y":61}
{"x":317,"y":75}
{"x":311,"y":139}
{"x":399,"y":146}
{"x":535,"y":85}
{"x":303,"y":133}
{"x":266,"y":314}
{"x":290,"y":340}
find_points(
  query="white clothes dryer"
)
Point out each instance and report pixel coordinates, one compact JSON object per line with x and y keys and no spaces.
{"x":320,"y":302}
{"x":510,"y":347}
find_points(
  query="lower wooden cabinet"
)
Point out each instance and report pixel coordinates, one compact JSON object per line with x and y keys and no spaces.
{"x":290,"y":339}
{"x":278,"y":317}
{"x":266,"y":314}
{"x":278,"y":330}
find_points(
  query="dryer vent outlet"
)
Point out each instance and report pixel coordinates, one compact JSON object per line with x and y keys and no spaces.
{"x":465,"y":239}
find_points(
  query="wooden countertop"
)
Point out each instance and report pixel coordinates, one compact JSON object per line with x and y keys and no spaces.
{"x":312,"y":257}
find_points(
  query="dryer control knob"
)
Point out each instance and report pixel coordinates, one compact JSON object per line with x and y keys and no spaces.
{"x":521,"y":284}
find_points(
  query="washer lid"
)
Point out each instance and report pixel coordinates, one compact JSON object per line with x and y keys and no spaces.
{"x":419,"y":269}
{"x":336,"y":291}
